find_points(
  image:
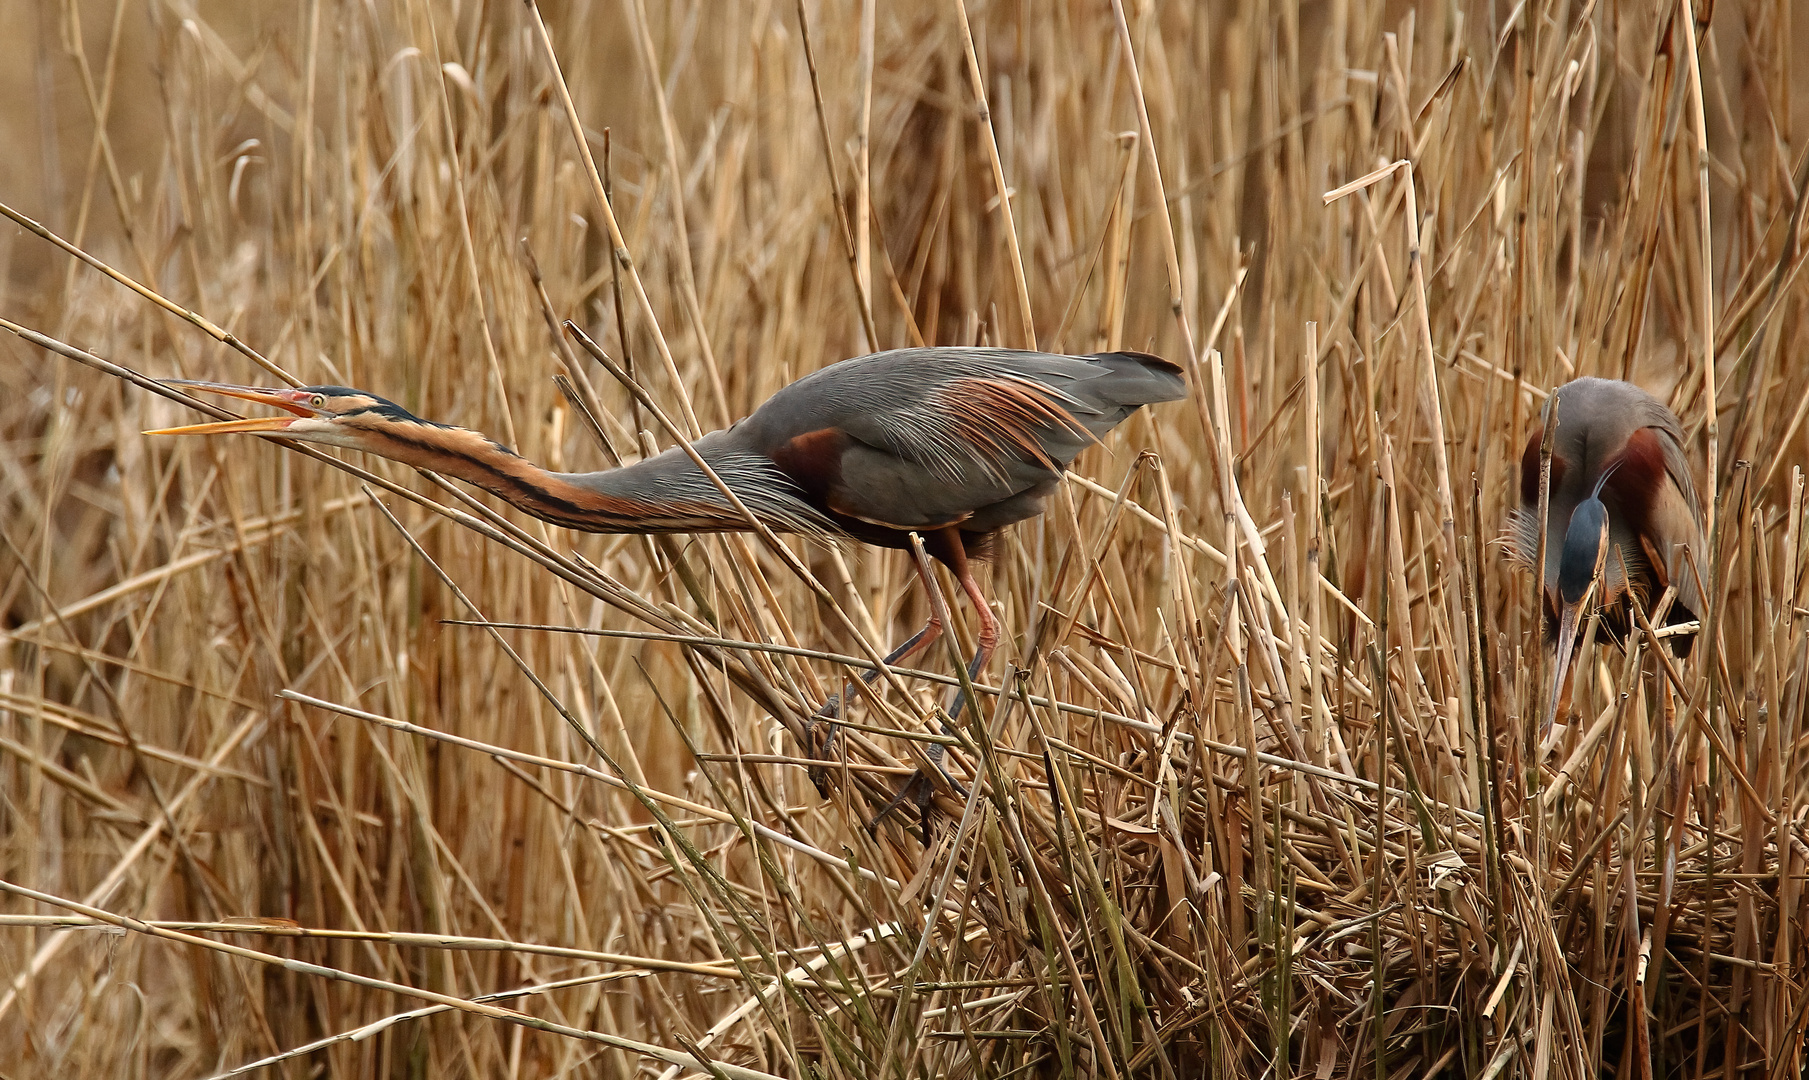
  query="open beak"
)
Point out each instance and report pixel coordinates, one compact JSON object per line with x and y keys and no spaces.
{"x":292,"y":401}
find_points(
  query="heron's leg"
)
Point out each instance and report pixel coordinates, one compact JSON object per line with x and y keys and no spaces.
{"x":832,"y":708}
{"x":986,"y":639}
{"x":918,"y":789}
{"x":910,"y":647}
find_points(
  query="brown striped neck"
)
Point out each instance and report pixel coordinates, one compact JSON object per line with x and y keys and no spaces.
{"x":666,"y":493}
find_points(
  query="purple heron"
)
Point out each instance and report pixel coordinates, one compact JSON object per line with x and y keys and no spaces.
{"x":1622,"y":513}
{"x":952,"y":444}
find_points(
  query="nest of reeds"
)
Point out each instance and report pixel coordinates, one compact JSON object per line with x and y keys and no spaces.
{"x":322,"y":766}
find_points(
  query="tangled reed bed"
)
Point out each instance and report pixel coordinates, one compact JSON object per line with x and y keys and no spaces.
{"x":1252,"y":785}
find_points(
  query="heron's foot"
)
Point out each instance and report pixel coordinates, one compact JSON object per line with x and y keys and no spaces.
{"x":919,"y":791}
{"x":819,"y":739}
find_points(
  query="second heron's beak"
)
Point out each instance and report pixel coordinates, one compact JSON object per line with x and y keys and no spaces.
{"x":1570,"y":617}
{"x":293,"y":401}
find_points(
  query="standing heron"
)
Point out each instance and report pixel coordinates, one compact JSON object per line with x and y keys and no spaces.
{"x":1622,"y":511}
{"x":952,"y":444}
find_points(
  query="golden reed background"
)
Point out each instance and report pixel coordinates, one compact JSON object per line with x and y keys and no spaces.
{"x":360,"y":192}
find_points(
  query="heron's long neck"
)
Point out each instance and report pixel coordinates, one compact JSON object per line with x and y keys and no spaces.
{"x":667,"y":493}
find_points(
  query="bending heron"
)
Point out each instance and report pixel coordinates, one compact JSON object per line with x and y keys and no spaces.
{"x":952,"y":444}
{"x":1622,"y":512}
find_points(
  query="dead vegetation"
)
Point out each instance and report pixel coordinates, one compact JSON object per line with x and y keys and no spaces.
{"x":245,"y":709}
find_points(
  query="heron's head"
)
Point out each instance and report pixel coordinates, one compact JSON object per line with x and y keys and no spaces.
{"x":334,"y":415}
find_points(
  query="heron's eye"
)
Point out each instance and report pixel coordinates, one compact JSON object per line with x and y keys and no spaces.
{"x":319,"y":401}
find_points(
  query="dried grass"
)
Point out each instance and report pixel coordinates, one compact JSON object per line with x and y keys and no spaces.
{"x":245,"y":711}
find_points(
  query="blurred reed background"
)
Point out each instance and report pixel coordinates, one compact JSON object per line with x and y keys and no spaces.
{"x":1299,"y":562}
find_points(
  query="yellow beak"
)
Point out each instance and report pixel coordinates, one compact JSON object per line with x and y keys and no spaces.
{"x":293,"y":401}
{"x":1569,"y":619}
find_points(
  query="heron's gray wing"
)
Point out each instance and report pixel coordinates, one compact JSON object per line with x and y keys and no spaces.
{"x":932,"y":437}
{"x":976,"y":440}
